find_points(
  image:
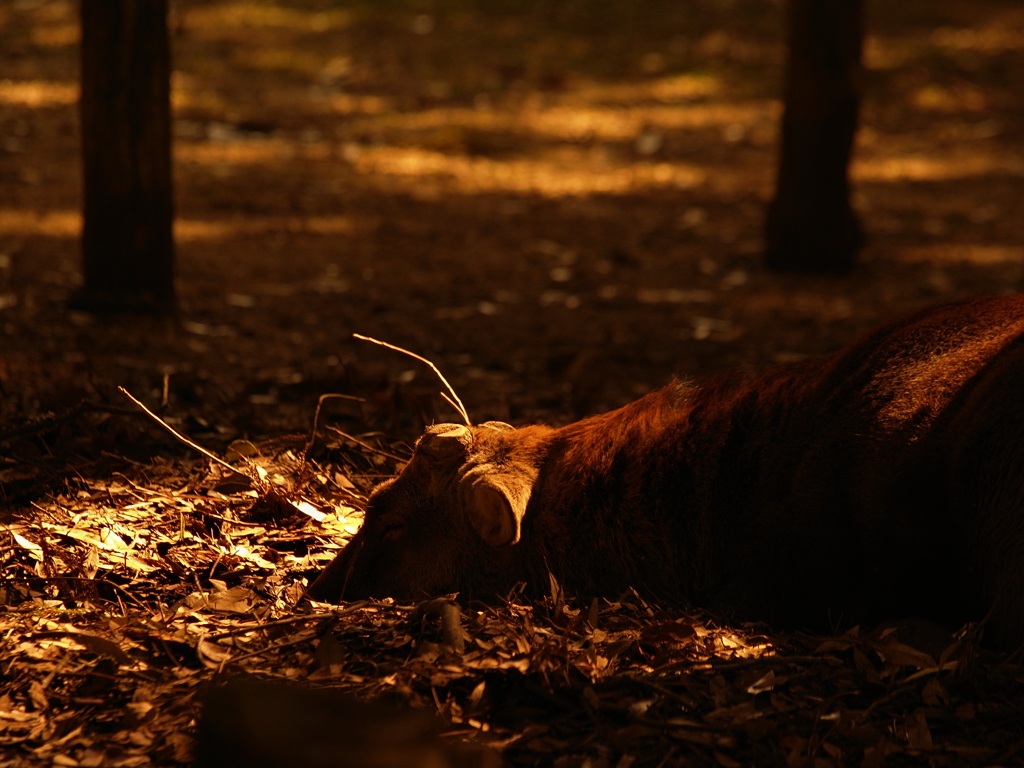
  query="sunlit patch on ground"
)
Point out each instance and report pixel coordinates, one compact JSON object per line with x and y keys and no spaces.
{"x":218,"y":18}
{"x":559,"y":176}
{"x":188,"y":230}
{"x":586,"y":120}
{"x":37,"y":94}
{"x":68,"y":224}
{"x":959,"y":164}
{"x":257,"y":151}
{"x":21,"y":223}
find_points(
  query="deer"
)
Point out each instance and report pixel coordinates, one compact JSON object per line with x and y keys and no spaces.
{"x":883,"y":481}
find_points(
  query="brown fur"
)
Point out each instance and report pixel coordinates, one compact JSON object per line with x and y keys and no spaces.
{"x":883,"y":481}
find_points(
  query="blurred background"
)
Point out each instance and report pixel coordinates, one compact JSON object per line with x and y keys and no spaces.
{"x":559,"y":203}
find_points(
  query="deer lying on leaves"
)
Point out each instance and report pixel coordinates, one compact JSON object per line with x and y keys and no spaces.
{"x":882,"y":482}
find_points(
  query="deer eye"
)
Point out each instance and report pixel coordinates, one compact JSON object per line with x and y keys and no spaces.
{"x":393,"y":529}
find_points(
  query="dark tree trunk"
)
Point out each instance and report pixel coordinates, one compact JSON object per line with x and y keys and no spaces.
{"x":127,"y":242}
{"x":810,"y":225}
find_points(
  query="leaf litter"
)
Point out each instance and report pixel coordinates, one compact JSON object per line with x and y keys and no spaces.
{"x":135,"y":595}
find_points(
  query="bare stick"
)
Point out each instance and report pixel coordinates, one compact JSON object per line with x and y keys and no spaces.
{"x":316,"y":418}
{"x":456,"y":403}
{"x":367,"y":446}
{"x":337,"y":613}
{"x":176,"y":433}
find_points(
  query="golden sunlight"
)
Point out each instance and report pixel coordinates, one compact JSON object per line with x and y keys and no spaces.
{"x":212,"y":20}
{"x":37,"y":93}
{"x":18,"y":222}
{"x":936,"y":168}
{"x":672,"y":89}
{"x":573,"y":122}
{"x":192,"y":230}
{"x":252,"y":152}
{"x":544,"y":177}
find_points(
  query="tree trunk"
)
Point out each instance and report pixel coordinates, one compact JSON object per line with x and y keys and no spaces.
{"x":810,"y":225}
{"x":127,"y":242}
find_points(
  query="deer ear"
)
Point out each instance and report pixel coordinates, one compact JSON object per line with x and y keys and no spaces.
{"x":497,"y":504}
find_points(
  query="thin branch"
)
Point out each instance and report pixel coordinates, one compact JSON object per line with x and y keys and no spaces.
{"x":457,"y":406}
{"x":316,"y":418}
{"x":367,"y":446}
{"x":269,"y":649}
{"x":81,"y":580}
{"x":176,"y":433}
{"x":334,"y":614}
{"x":455,"y":401}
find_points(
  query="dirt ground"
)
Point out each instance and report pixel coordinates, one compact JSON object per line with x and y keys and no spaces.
{"x":560,"y":204}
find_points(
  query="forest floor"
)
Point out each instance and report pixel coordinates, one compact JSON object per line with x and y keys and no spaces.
{"x":559,"y":204}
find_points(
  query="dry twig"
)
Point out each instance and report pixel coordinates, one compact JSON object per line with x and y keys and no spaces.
{"x":316,"y":417}
{"x":455,"y":402}
{"x":193,"y":445}
{"x":367,"y":446}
